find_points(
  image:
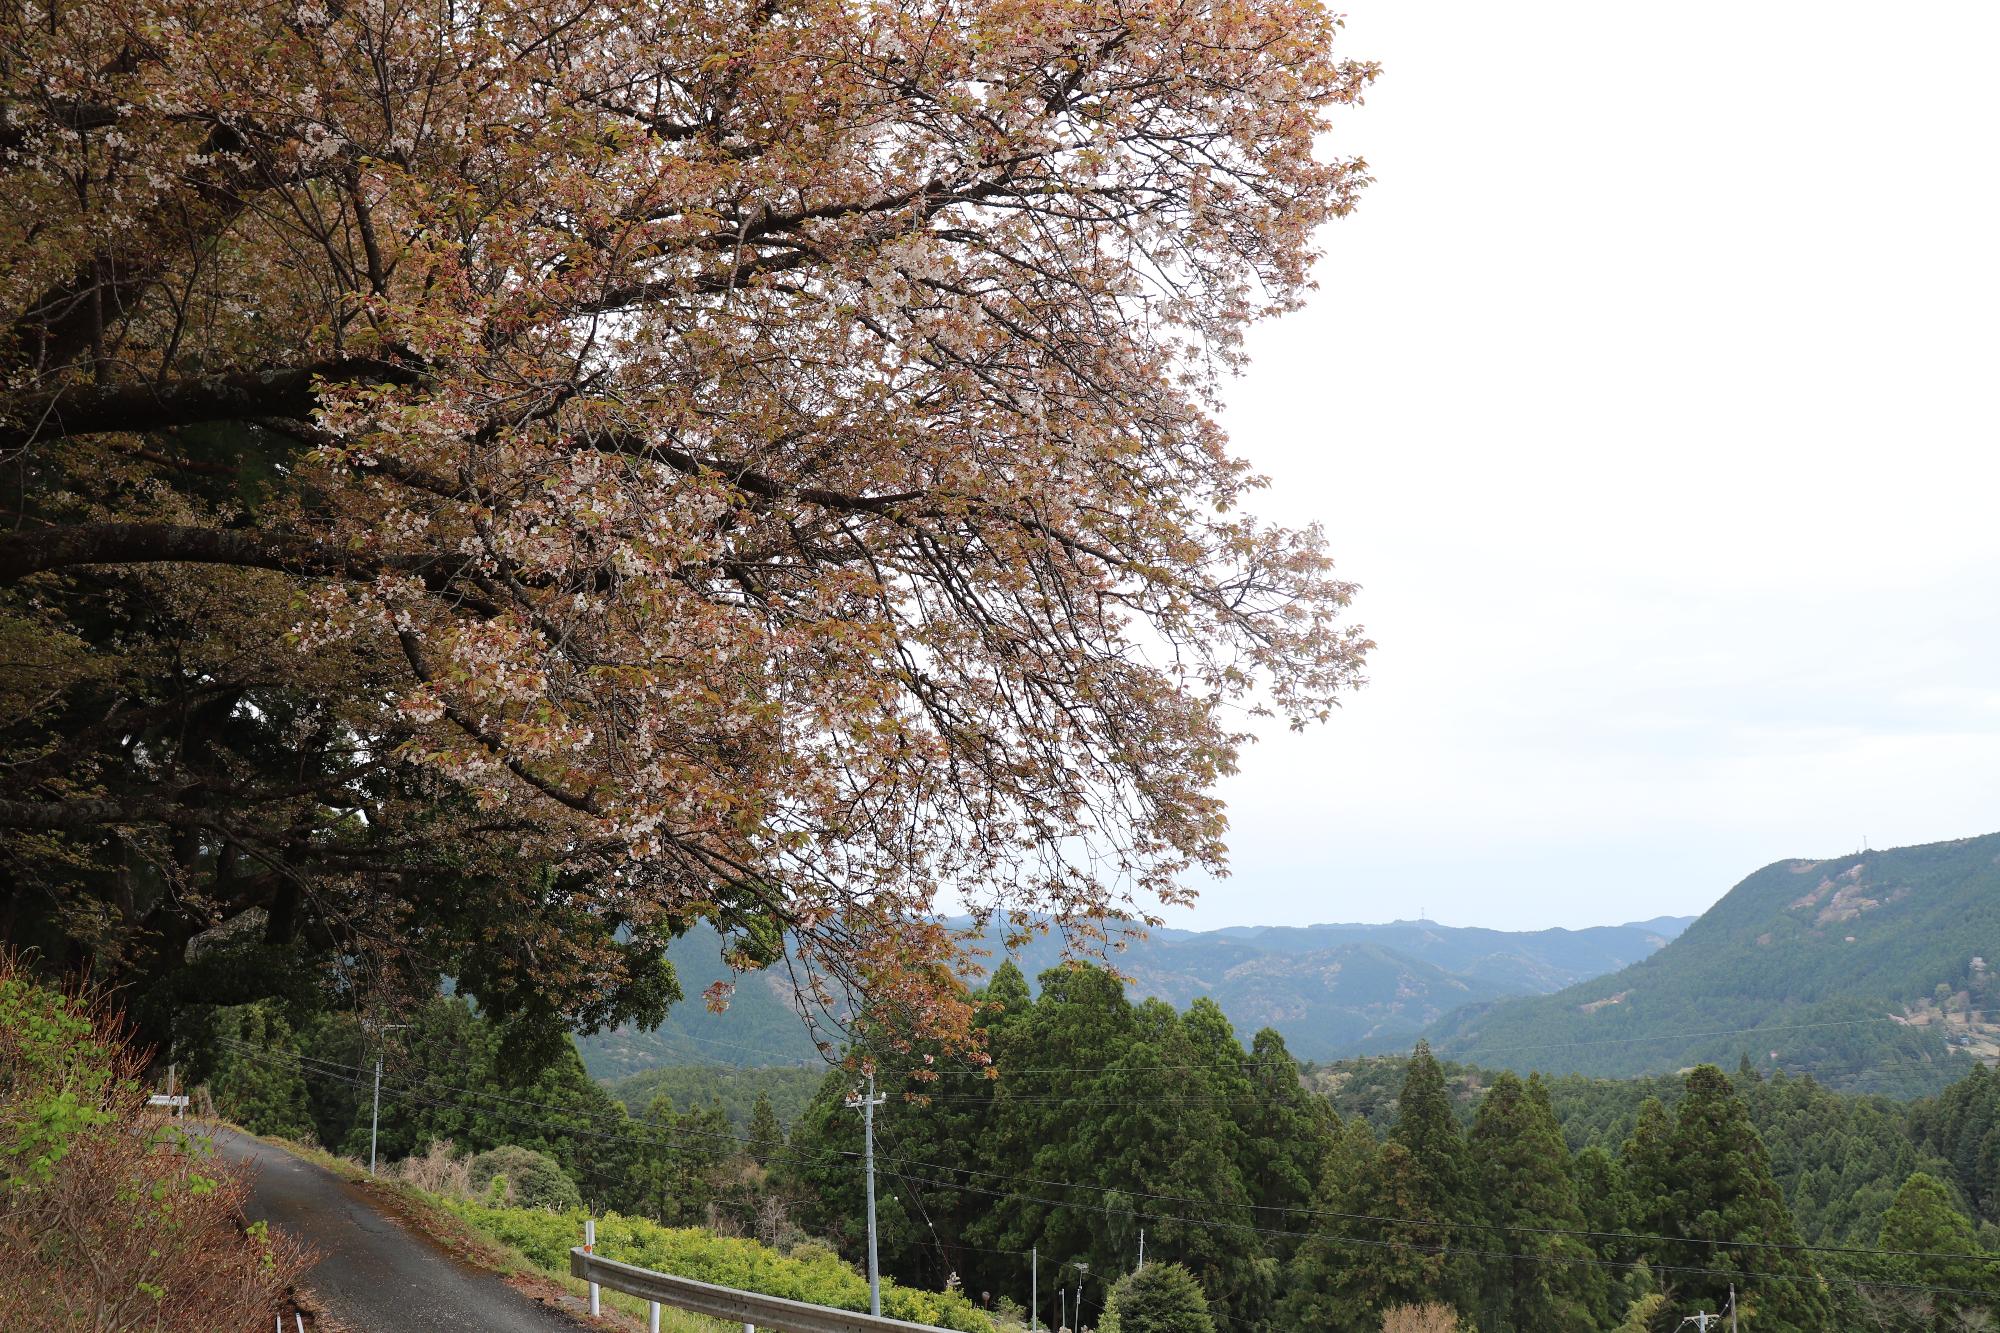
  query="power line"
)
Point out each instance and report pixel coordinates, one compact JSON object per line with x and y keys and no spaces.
{"x":826,"y":1156}
{"x":1444,"y":1249}
{"x":1439,"y":1248}
{"x":790,"y":1060}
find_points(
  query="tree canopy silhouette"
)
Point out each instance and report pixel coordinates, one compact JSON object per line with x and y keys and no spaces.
{"x":499,"y":483}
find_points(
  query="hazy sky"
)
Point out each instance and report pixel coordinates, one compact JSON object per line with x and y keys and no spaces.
{"x":1650,"y":395}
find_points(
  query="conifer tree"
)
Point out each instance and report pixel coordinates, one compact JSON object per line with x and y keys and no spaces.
{"x":818,"y":1176}
{"x":1053,"y":1064}
{"x":1427,"y":1128}
{"x":766,"y":1138}
{"x":1218,"y":1061}
{"x":1006,"y":995}
{"x":1601,"y":1191}
{"x":1524,"y":1178}
{"x":1607,"y":1206}
{"x":1647,"y":1166}
{"x":1925,"y":1221}
{"x":1427,"y":1125}
{"x":1722,"y":1190}
{"x":1288,"y":1134}
{"x":1356,"y":1264}
{"x":257,"y":1081}
{"x":1174,"y":1152}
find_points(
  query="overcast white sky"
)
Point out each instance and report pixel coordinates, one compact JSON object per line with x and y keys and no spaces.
{"x":1651,"y":397}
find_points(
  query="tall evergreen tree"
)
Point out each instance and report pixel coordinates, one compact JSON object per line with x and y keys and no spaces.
{"x":1647,"y":1165}
{"x":1357,"y":1263}
{"x":820,"y":1177}
{"x":1940,"y":1250}
{"x":1427,"y":1125}
{"x":257,"y":1080}
{"x":1006,"y":995}
{"x":1722,"y":1191}
{"x":1052,"y":1065}
{"x":1220,"y":1070}
{"x":1287,"y":1136}
{"x":766,"y":1138}
{"x":1167,"y":1160}
{"x":1524,"y":1177}
{"x":1427,"y":1128}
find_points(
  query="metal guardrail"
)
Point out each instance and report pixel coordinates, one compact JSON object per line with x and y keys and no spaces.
{"x":739,"y":1307}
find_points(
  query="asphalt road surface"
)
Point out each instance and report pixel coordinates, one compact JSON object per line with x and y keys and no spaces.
{"x":374,"y":1276}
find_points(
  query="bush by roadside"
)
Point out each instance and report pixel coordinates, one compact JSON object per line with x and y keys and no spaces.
{"x":110,"y":1217}
{"x":810,"y":1273}
{"x":521,"y":1178}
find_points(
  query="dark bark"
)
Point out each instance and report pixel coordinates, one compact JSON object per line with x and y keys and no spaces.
{"x":286,"y":391}
{"x":40,"y":550}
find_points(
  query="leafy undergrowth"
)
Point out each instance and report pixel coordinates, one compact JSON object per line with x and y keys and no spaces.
{"x":112,"y":1218}
{"x":536,"y":1243}
{"x":810,"y":1273}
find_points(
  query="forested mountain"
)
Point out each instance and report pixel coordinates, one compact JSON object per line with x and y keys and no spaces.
{"x":1873,"y":971}
{"x":1511,"y":959}
{"x":735,"y":1089}
{"x":1331,"y":990}
{"x":760,"y":1026}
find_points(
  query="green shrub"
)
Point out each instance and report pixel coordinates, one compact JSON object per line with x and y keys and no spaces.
{"x":809,"y":1273}
{"x":112,"y":1218}
{"x":534,"y":1179}
{"x":1159,"y":1298}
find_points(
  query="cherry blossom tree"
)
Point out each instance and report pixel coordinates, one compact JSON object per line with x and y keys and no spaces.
{"x":750,"y":460}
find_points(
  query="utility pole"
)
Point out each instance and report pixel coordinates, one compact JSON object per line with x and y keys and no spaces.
{"x":375,"y":1116}
{"x":1142,"y":1247}
{"x":1702,"y":1321}
{"x":868,"y":1103}
{"x":1034,"y":1282}
{"x":1082,"y":1272}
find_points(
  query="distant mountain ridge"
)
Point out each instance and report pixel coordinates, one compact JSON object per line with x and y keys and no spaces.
{"x":1331,"y":990}
{"x":1872,"y":972}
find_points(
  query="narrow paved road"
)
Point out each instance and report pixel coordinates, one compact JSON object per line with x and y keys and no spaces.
{"x":374,"y":1275}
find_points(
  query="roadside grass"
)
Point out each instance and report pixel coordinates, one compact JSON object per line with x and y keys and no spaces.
{"x":474,"y":1234}
{"x":459,"y":1236}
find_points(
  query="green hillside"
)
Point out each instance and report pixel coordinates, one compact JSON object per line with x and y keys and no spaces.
{"x":733,"y":1088}
{"x":1872,"y":971}
{"x":760,"y":1027}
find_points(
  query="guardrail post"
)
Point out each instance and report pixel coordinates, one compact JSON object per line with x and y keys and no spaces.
{"x":652,"y":1317}
{"x":590,"y":1247}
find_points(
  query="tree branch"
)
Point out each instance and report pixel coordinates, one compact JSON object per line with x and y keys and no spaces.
{"x":38,"y":551}
{"x":243,"y":396}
